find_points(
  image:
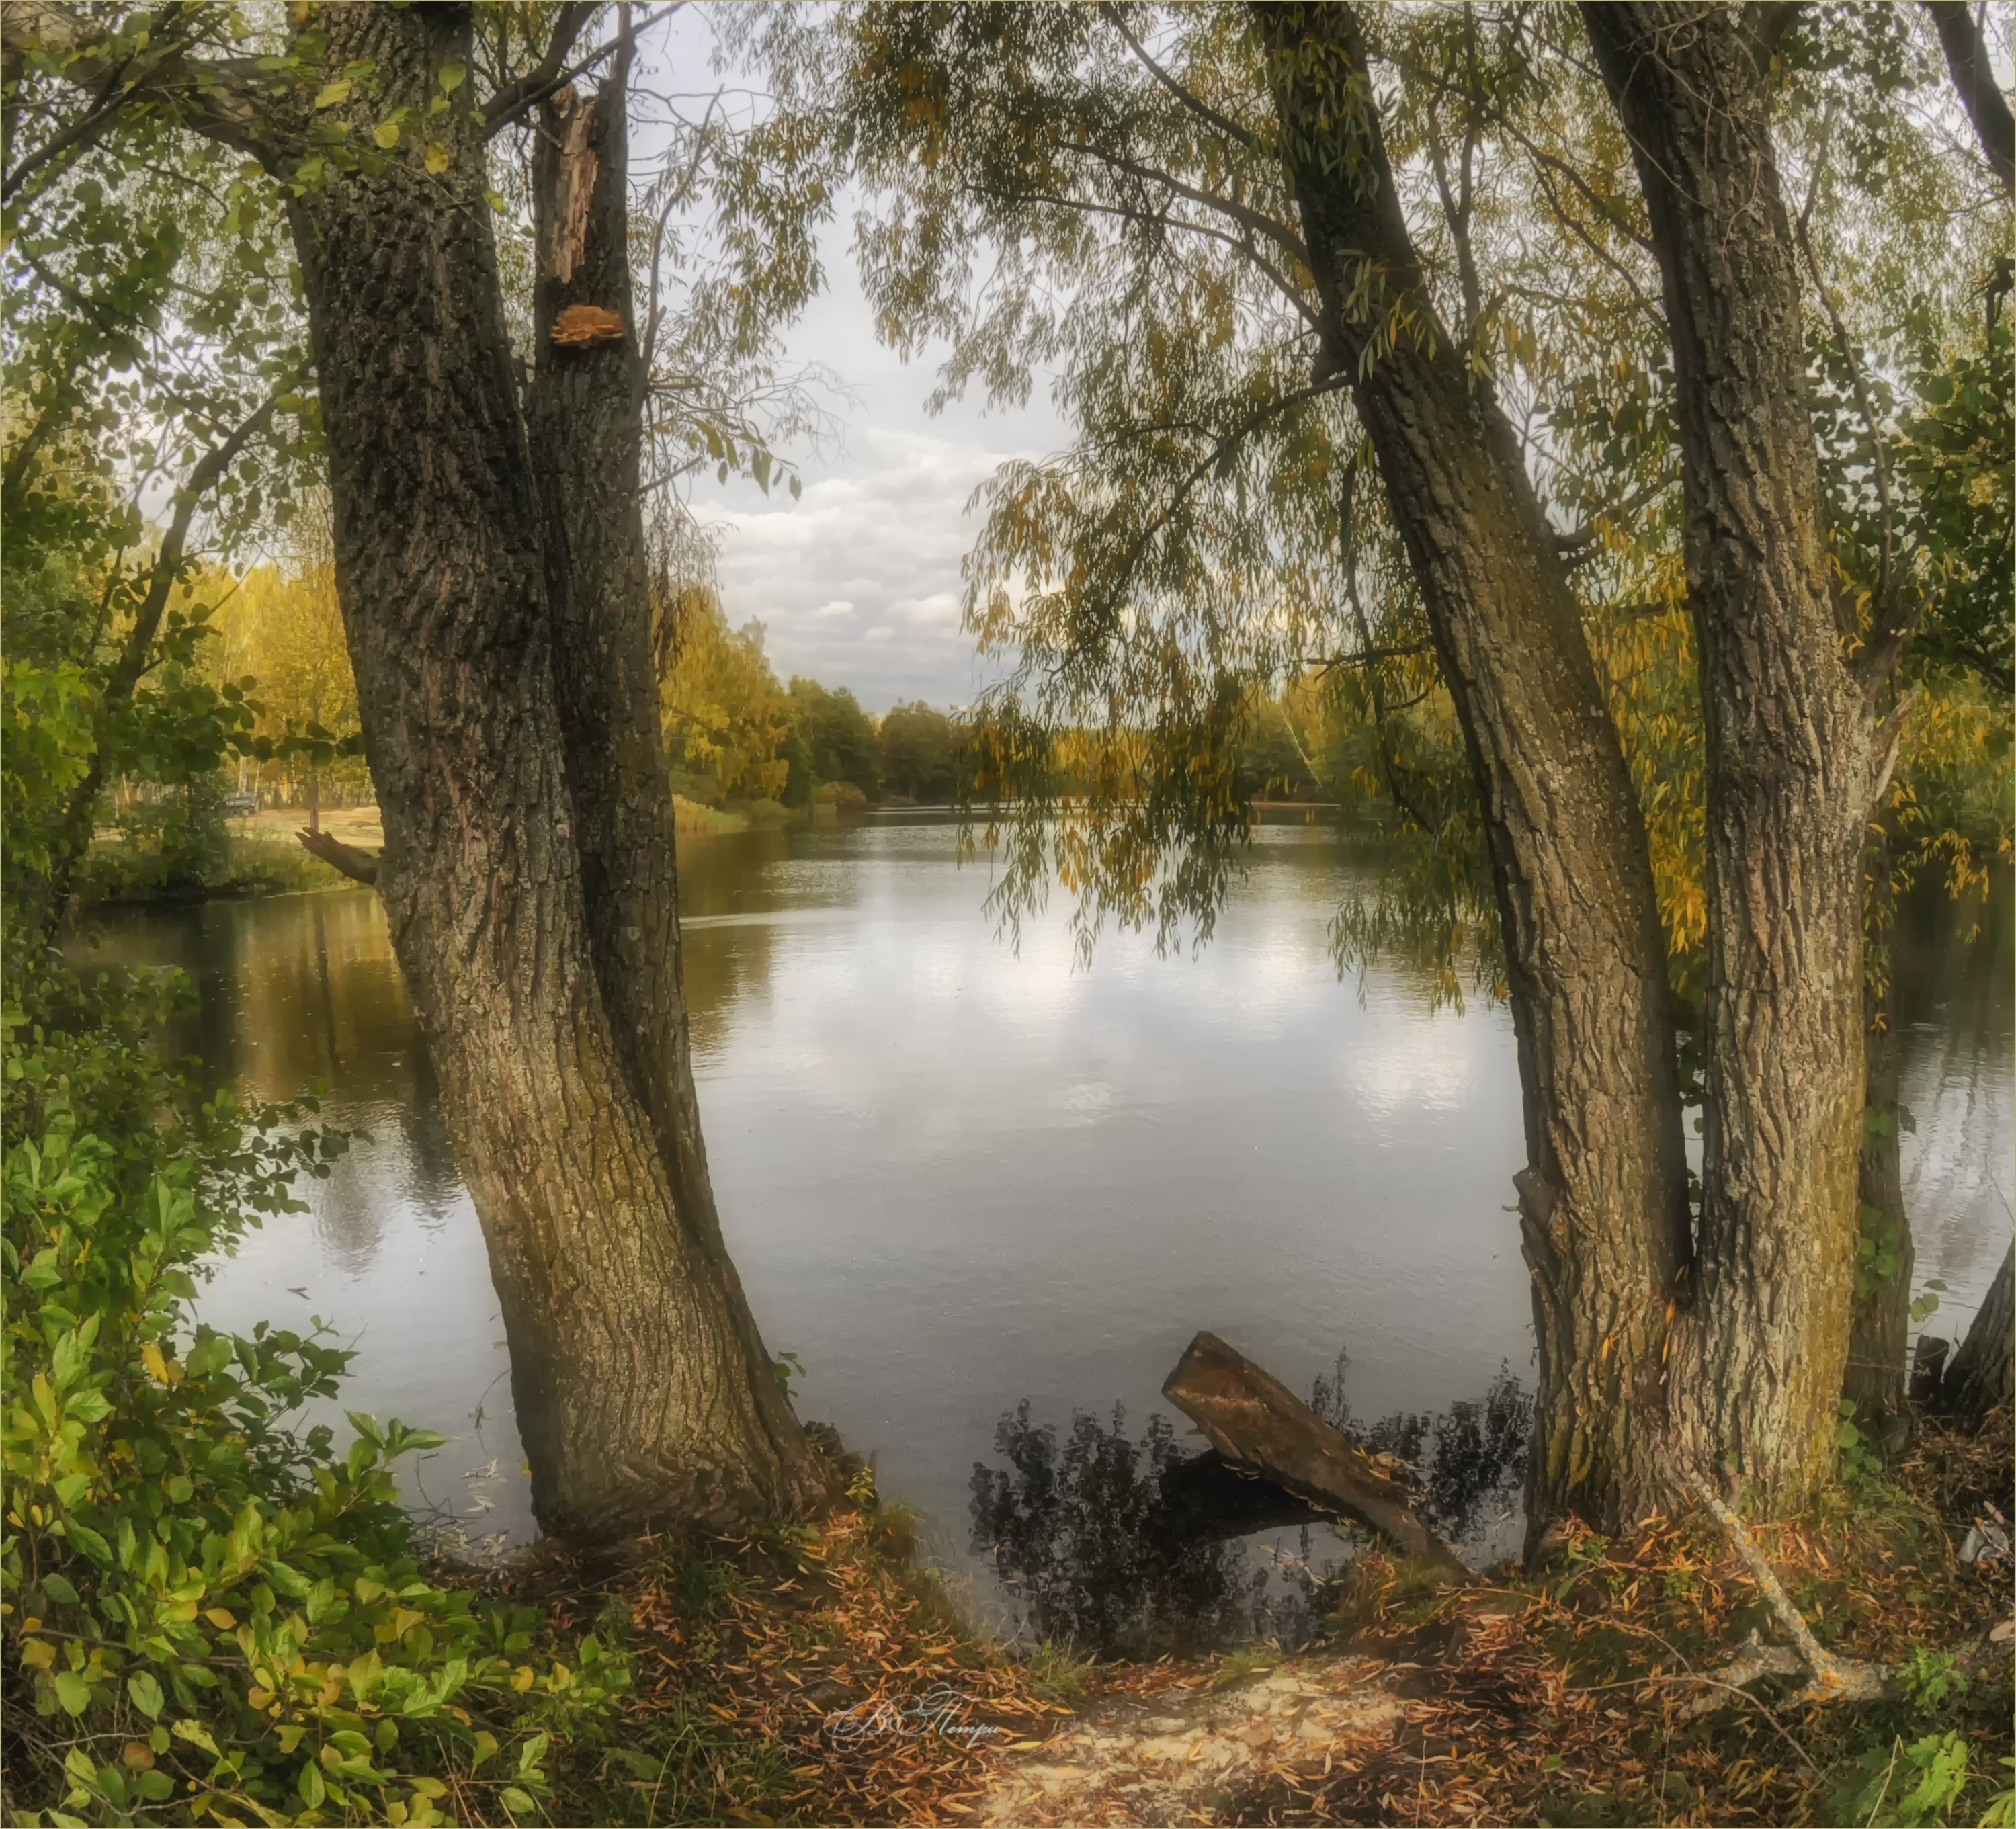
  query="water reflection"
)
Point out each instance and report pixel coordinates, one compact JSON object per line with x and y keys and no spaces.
{"x":949,"y":1171}
{"x":1117,"y":1544}
{"x":1130,"y":1546}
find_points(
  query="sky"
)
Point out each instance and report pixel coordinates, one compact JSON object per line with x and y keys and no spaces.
{"x":857,"y":583}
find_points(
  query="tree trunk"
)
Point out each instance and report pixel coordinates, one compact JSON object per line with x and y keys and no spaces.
{"x":1983,"y":1372}
{"x":636,"y":1395}
{"x":1789,"y":760}
{"x":1880,"y":1320}
{"x":585,"y":410}
{"x":1603,"y":1198}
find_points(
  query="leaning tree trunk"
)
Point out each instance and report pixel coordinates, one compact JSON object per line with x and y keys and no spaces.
{"x":1983,"y":1375}
{"x":637,"y":1392}
{"x":1603,"y":1198}
{"x":1880,"y":1322}
{"x":585,"y":414}
{"x":1789,"y":756}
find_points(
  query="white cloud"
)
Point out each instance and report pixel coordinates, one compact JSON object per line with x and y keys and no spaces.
{"x":876,"y":542}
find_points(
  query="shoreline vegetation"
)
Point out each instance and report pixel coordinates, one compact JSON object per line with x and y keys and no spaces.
{"x":260,"y":856}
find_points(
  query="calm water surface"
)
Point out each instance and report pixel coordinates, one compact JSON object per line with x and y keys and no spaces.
{"x":956,"y":1176}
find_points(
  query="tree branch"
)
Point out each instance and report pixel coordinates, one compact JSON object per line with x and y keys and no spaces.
{"x":134,"y":660}
{"x":1967,"y":58}
{"x":1196,"y":103}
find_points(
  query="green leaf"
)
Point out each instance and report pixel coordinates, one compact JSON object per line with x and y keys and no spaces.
{"x":387,"y":134}
{"x":451,"y":78}
{"x":439,"y":157}
{"x":196,"y":1734}
{"x":57,"y":1589}
{"x":72,"y":1692}
{"x":333,"y":95}
{"x":145,"y":1692}
{"x":515,"y":1801}
{"x":312,"y":1789}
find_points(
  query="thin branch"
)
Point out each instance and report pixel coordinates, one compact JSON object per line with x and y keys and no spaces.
{"x":134,"y":659}
{"x":1196,"y":103}
{"x":533,"y":89}
{"x":1256,"y":221}
{"x":1161,"y":219}
{"x":514,"y":98}
{"x":16,"y":479}
{"x":1585,"y":535}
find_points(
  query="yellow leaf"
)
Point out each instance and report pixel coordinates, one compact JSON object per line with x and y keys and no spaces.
{"x":523,"y":1680}
{"x":221,"y":1618}
{"x":139,"y":1755}
{"x":387,"y":134}
{"x":38,"y":1654}
{"x":258,"y":1697}
{"x":439,"y":157}
{"x":157,"y":1367}
{"x":333,"y":95}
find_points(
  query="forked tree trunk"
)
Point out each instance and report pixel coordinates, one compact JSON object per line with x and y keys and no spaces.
{"x":1789,"y":765}
{"x":585,"y":412}
{"x":1603,"y":1198}
{"x":638,"y":1396}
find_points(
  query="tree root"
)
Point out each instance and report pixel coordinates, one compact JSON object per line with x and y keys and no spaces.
{"x":1831,"y":1679}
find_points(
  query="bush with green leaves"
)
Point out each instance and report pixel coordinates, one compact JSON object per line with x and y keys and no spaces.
{"x":209,"y":1614}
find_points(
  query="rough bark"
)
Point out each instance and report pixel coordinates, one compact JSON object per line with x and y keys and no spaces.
{"x":1791,"y":763}
{"x":1603,"y":1198}
{"x":1974,"y":77}
{"x":635,"y":1392}
{"x":585,"y":411}
{"x":1983,"y":1372}
{"x":1256,"y":1423}
{"x":1880,"y":1322}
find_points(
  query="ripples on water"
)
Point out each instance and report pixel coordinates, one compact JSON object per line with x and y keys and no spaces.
{"x":956,"y":1176}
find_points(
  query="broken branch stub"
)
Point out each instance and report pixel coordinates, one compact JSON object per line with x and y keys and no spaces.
{"x":1253,"y":1420}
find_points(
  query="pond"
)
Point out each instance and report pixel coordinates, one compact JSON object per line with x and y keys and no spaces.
{"x":960,"y":1176}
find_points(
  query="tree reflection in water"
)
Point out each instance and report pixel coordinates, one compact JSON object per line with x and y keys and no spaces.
{"x":1127,"y":1545}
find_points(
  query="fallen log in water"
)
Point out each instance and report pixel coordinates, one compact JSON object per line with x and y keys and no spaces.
{"x":1258,"y":1423}
{"x":359,"y":865}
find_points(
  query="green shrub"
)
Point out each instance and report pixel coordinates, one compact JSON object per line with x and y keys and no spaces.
{"x":209,"y":1613}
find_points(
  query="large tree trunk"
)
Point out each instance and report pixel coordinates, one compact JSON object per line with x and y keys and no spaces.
{"x":1880,"y":1320}
{"x":1603,"y":1198}
{"x":1790,"y":766}
{"x":585,"y":414}
{"x":639,"y":1397}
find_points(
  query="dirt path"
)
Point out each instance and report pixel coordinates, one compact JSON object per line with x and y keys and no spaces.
{"x":1175,"y":1758}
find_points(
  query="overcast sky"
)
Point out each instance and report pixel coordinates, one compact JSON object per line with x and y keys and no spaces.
{"x":858,"y":582}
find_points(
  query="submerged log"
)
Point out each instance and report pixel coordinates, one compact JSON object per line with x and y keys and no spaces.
{"x":1258,"y":1423}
